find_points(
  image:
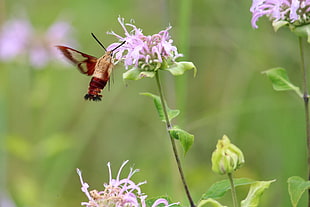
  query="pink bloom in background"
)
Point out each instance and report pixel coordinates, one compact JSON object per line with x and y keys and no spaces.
{"x":19,"y":40}
{"x":14,"y":38}
{"x":293,"y":11}
{"x":145,"y":52}
{"x":118,"y":192}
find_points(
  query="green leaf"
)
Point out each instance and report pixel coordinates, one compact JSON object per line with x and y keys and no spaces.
{"x":180,"y":67}
{"x":171,"y":112}
{"x":278,"y":24}
{"x":20,"y":147}
{"x":280,"y":80}
{"x":186,"y":139}
{"x":137,"y":74}
{"x":296,"y":187}
{"x":256,"y":191}
{"x":218,"y":189}
{"x":214,"y":203}
{"x":302,"y":31}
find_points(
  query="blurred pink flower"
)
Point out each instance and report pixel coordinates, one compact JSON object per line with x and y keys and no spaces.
{"x":293,"y":11}
{"x":145,"y":52}
{"x":118,"y":192}
{"x":19,"y":39}
{"x":14,"y":38}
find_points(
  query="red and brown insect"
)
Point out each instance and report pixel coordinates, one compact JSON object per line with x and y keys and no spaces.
{"x":99,"y":68}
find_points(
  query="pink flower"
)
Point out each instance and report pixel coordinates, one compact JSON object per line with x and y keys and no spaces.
{"x":14,"y":38}
{"x":292,"y":11}
{"x":118,"y":192}
{"x":144,"y":52}
{"x":18,"y":39}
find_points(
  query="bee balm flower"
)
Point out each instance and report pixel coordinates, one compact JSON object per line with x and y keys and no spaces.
{"x":118,"y":192}
{"x":144,"y":55}
{"x":294,"y":12}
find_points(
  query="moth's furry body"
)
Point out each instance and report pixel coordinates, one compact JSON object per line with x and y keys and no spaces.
{"x":100,"y":69}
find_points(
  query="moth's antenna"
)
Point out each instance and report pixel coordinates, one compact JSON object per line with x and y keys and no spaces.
{"x":118,"y":46}
{"x":98,"y":41}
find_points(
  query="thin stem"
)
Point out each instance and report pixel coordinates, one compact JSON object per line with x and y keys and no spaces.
{"x":306,"y":104}
{"x":233,"y":190}
{"x":175,"y":151}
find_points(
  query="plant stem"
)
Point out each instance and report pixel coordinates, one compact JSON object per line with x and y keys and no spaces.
{"x":175,"y":151}
{"x":233,"y":190}
{"x":306,"y":104}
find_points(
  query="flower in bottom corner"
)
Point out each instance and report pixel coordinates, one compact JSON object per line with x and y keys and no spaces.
{"x":118,"y":192}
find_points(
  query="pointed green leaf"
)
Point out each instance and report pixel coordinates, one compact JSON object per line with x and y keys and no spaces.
{"x":296,"y":187}
{"x":302,"y":31}
{"x":180,"y":67}
{"x":278,"y":24}
{"x":186,"y":139}
{"x":280,"y":80}
{"x":172,"y":113}
{"x":137,"y":74}
{"x":256,"y":191}
{"x":218,"y":189}
{"x":207,"y":202}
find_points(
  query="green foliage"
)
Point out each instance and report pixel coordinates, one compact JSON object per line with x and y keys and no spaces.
{"x":218,"y":189}
{"x":296,"y":187}
{"x":302,"y":31}
{"x":278,"y":24}
{"x":137,"y":74}
{"x":280,"y":80}
{"x":256,"y":191}
{"x":186,"y":139}
{"x":209,"y":202}
{"x":172,"y":113}
{"x":179,"y":68}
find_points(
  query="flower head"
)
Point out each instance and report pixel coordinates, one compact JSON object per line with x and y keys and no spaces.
{"x":144,"y":52}
{"x":118,"y":192}
{"x":14,"y":37}
{"x":227,"y":157}
{"x":295,"y":12}
{"x":145,"y":55}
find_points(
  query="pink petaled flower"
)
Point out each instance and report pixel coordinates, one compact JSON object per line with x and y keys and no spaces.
{"x":118,"y":192}
{"x":14,"y":38}
{"x":19,"y":39}
{"x":292,"y":11}
{"x":144,"y":52}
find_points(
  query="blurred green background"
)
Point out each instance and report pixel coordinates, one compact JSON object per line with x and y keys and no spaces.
{"x":47,"y":130}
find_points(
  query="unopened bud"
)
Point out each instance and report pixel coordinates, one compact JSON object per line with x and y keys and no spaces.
{"x":227,"y":157}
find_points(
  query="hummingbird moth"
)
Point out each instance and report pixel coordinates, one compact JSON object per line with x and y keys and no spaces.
{"x":99,"y":68}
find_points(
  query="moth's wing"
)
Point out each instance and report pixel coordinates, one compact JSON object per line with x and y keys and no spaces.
{"x":85,"y":63}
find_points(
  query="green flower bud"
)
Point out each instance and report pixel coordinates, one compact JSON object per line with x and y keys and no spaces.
{"x":227,"y":157}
